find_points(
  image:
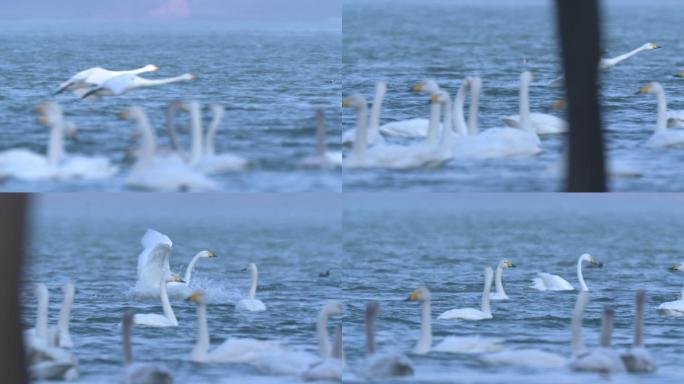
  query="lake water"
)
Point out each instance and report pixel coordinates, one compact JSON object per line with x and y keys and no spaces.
{"x":395,"y":243}
{"x":94,"y":240}
{"x":259,"y":73}
{"x":406,"y":41}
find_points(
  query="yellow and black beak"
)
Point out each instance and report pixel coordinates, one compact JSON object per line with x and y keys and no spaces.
{"x":418,"y":88}
{"x":413,"y":296}
{"x":40,"y":109}
{"x":43,"y":120}
{"x":645,"y":89}
{"x":123,"y":115}
{"x":196,"y":296}
{"x":346,"y":103}
{"x":558,"y":104}
{"x":211,"y":254}
{"x":434,"y":99}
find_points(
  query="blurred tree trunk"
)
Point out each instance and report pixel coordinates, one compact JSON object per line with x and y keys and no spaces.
{"x":12,"y":221}
{"x":578,"y":27}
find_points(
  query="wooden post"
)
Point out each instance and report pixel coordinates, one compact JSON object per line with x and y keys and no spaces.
{"x":12,"y":221}
{"x":578,"y":27}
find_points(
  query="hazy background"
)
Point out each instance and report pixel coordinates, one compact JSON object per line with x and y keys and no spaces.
{"x":300,"y":11}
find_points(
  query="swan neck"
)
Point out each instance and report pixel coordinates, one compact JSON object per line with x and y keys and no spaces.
{"x":190,"y":268}
{"x":374,"y":120}
{"x":42,"y":315}
{"x":606,"y":330}
{"x":459,"y":120}
{"x":320,"y":134}
{"x":370,"y":334}
{"x":639,"y":324}
{"x":497,"y":280}
{"x":425,"y":341}
{"x":166,"y":305}
{"x":127,"y":348}
{"x":55,"y":150}
{"x":617,"y":60}
{"x":524,"y":107}
{"x":149,"y":141}
{"x":580,"y":276}
{"x":577,"y":338}
{"x":202,"y":344}
{"x":322,"y":330}
{"x":65,"y":312}
{"x":338,"y":349}
{"x":361,"y":140}
{"x":473,"y":126}
{"x":253,"y":286}
{"x":171,"y":129}
{"x":209,"y":146}
{"x":433,"y":126}
{"x":661,"y":122}
{"x":486,"y":308}
{"x":447,"y":131}
{"x":196,"y":131}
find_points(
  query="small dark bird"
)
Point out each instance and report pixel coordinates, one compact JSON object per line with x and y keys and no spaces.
{"x":324,"y":274}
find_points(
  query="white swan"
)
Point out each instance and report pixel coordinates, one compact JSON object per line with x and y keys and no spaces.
{"x":471,"y":313}
{"x":637,"y":358}
{"x":153,"y":171}
{"x":451,"y":344}
{"x":203,"y":156}
{"x":121,"y":84}
{"x":232,"y":350}
{"x":606,"y":63}
{"x":59,"y":335}
{"x":251,"y":303}
{"x":331,"y":363}
{"x":500,"y":294}
{"x":153,"y":262}
{"x":602,"y":359}
{"x":498,"y":142}
{"x":168,"y":319}
{"x":372,"y":135}
{"x":542,"y":123}
{"x":549,"y":282}
{"x":135,"y":373}
{"x":382,"y":365}
{"x":85,"y":80}
{"x":324,"y":158}
{"x":416,"y":127}
{"x":672,"y":308}
{"x":182,"y":289}
{"x":677,"y":267}
{"x":663,"y":137}
{"x":56,"y":163}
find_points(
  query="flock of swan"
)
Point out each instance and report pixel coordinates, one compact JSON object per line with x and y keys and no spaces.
{"x":51,"y":352}
{"x":445,"y":134}
{"x":155,"y":168}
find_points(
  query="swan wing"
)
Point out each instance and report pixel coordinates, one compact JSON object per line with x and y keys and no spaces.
{"x":411,"y":128}
{"x":87,"y":168}
{"x":533,"y":358}
{"x":464,"y":314}
{"x":671,"y":308}
{"x":551,"y":282}
{"x":326,"y":369}
{"x":253,"y":305}
{"x":246,"y":350}
{"x":49,"y":370}
{"x":222,"y":163}
{"x":77,"y":80}
{"x":469,"y":344}
{"x":598,"y":360}
{"x":26,"y":165}
{"x":668,"y":138}
{"x":152,"y":320}
{"x":496,"y":143}
{"x":542,"y":123}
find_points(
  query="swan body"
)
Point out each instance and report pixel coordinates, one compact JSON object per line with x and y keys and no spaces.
{"x":124,"y":83}
{"x":140,"y":373}
{"x":607,"y":63}
{"x":153,"y":171}
{"x":471,"y":313}
{"x":382,"y":365}
{"x":637,"y":358}
{"x":85,"y":80}
{"x":56,"y":163}
{"x":663,"y":137}
{"x":416,"y":127}
{"x":324,"y":158}
{"x":500,"y":294}
{"x":182,"y":289}
{"x":542,"y":123}
{"x":451,"y":344}
{"x":251,"y":303}
{"x":372,"y":135}
{"x":498,"y":142}
{"x":602,"y":359}
{"x":672,"y":308}
{"x":168,"y":319}
{"x":532,"y":358}
{"x":549,"y":282}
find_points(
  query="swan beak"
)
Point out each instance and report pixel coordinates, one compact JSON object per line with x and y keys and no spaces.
{"x":154,"y":68}
{"x":596,"y":264}
{"x":196,"y":296}
{"x":558,"y":104}
{"x":434,"y":99}
{"x":645,"y":89}
{"x":193,"y":76}
{"x":346,"y":103}
{"x":43,"y":120}
{"x":243,"y":269}
{"x":123,"y":115}
{"x":417,"y":88}
{"x":413,"y":296}
{"x":40,"y":109}
{"x":656,"y":46}
{"x":211,"y":254}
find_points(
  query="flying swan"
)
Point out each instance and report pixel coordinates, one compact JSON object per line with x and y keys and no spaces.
{"x":251,"y":303}
{"x":549,"y":282}
{"x":471,"y":313}
{"x":121,"y":84}
{"x":88,"y":79}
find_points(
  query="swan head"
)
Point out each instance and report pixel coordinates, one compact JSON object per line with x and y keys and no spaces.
{"x":440,"y":97}
{"x":174,"y":278}
{"x":426,"y":86}
{"x":209,"y":254}
{"x":355,"y":101}
{"x":650,"y":46}
{"x":590,"y":259}
{"x":50,"y":113}
{"x":677,"y":267}
{"x":188,"y":76}
{"x":150,"y":68}
{"x":196,"y":297}
{"x":332,"y":308}
{"x":250,"y":267}
{"x":679,"y":74}
{"x":507,"y":264}
{"x":652,"y":88}
{"x":421,"y":294}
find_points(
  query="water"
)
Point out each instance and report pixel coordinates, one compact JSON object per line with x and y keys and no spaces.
{"x":395,"y":243}
{"x":269,"y":88}
{"x":410,"y":40}
{"x":291,"y":238}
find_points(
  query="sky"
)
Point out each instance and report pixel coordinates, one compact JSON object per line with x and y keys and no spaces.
{"x":299,"y":11}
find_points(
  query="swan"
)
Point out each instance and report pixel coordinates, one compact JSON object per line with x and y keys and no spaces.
{"x":178,"y":289}
{"x":203,"y":156}
{"x":60,"y":336}
{"x":85,"y":80}
{"x":677,"y":267}
{"x":663,"y":137}
{"x":382,"y":365}
{"x":56,"y":163}
{"x":602,"y":359}
{"x":672,"y":308}
{"x":168,"y":319}
{"x":121,"y":84}
{"x":549,"y":282}
{"x":324,"y":158}
{"x":153,"y":171}
{"x":372,"y":135}
{"x":451,"y":344}
{"x":471,"y":313}
{"x":498,"y":142}
{"x":416,"y":127}
{"x":232,"y":350}
{"x":500,"y":294}
{"x":541,"y":123}
{"x":303,"y":364}
{"x":525,"y":357}
{"x":135,"y":373}
{"x":251,"y":303}
{"x":637,"y":358}
{"x":153,"y":261}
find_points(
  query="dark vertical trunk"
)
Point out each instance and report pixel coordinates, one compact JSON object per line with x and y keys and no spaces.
{"x":578,"y":27}
{"x":12,"y":221}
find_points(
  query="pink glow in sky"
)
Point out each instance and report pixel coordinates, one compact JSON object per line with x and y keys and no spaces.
{"x":172,"y":9}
